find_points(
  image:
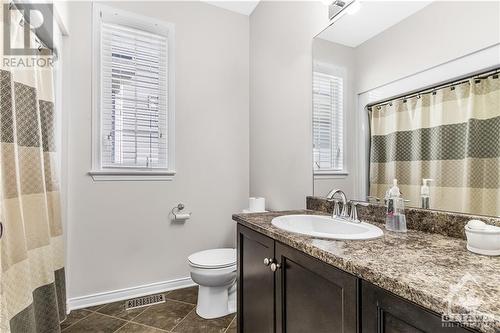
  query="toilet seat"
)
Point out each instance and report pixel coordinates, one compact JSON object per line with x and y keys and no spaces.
{"x":213,"y":259}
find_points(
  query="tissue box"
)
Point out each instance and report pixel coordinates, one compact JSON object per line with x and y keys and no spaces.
{"x":483,"y":238}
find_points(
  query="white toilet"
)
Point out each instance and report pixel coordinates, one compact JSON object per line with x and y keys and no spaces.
{"x":215,"y":272}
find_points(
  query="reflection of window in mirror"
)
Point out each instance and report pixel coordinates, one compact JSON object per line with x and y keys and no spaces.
{"x":328,"y":120}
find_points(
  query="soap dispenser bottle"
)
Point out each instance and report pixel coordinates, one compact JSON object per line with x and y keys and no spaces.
{"x":395,"y":219}
{"x":392,"y":195}
{"x":425,"y":194}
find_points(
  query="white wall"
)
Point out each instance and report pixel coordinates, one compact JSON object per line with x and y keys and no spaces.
{"x":440,"y":32}
{"x":119,"y":232}
{"x":340,"y":56}
{"x":281,"y":35}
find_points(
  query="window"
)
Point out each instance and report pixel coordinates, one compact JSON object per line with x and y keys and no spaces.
{"x":328,"y":123}
{"x":133,"y":92}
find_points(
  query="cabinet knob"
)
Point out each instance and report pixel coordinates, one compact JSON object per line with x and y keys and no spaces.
{"x":268,"y":261}
{"x":275,"y":266}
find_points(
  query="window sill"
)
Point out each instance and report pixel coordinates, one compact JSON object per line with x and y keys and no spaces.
{"x":132,"y":175}
{"x":330,"y":174}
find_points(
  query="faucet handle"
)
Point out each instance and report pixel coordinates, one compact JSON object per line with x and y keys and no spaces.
{"x":353,"y":215}
{"x":345,"y":209}
{"x":360,"y":203}
{"x":336,"y":208}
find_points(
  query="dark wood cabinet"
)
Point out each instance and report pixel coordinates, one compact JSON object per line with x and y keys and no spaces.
{"x":313,"y":296}
{"x":384,"y":312}
{"x":293,"y":292}
{"x":255,"y":282}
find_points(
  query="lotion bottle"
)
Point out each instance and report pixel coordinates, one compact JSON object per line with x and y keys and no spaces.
{"x":425,"y":195}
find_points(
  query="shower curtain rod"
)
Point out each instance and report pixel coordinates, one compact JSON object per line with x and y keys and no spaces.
{"x":433,"y":89}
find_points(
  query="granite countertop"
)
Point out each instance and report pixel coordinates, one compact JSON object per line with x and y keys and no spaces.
{"x":432,"y":270}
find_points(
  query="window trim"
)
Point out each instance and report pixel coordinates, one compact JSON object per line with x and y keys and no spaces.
{"x":98,"y":173}
{"x":339,"y":72}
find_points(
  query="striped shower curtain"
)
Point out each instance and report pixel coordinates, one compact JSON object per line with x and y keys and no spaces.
{"x":451,"y":135}
{"x":32,"y":283}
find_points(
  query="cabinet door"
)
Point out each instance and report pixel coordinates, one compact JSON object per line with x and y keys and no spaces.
{"x":384,"y":312}
{"x":313,"y":296}
{"x":255,"y":282}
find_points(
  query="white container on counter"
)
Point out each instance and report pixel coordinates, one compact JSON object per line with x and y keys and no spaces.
{"x":483,"y":238}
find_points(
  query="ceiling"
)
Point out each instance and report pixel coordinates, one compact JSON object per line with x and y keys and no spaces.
{"x":242,"y":7}
{"x":371,"y":19}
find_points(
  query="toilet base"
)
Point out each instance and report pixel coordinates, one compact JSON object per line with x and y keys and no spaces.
{"x":231,"y":304}
{"x":215,"y":302}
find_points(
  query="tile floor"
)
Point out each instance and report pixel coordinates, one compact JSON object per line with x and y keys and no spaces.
{"x":177,"y":315}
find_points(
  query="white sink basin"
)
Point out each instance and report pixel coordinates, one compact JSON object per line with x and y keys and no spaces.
{"x":327,"y":227}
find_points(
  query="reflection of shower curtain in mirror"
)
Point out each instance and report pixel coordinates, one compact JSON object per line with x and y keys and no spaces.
{"x":32,"y":284}
{"x":451,"y":135}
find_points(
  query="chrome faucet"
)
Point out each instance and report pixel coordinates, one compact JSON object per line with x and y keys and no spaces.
{"x":353,"y":214}
{"x":331,"y":197}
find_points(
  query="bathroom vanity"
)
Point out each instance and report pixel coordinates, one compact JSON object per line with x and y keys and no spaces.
{"x":397,"y":283}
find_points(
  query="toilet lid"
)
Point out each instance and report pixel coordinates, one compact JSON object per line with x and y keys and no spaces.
{"x":214,"y":258}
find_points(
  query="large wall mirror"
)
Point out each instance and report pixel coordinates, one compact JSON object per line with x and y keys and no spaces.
{"x":410,"y":91}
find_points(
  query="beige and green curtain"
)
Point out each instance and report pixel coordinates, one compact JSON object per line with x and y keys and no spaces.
{"x":32,"y":284}
{"x":451,"y":135}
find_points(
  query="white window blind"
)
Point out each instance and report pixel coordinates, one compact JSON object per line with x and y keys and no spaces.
{"x":133,"y":98}
{"x":328,"y":121}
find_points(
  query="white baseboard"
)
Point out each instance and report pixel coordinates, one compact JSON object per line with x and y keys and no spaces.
{"x":127,"y":293}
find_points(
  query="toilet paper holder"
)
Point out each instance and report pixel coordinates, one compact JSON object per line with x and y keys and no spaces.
{"x":177,"y":213}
